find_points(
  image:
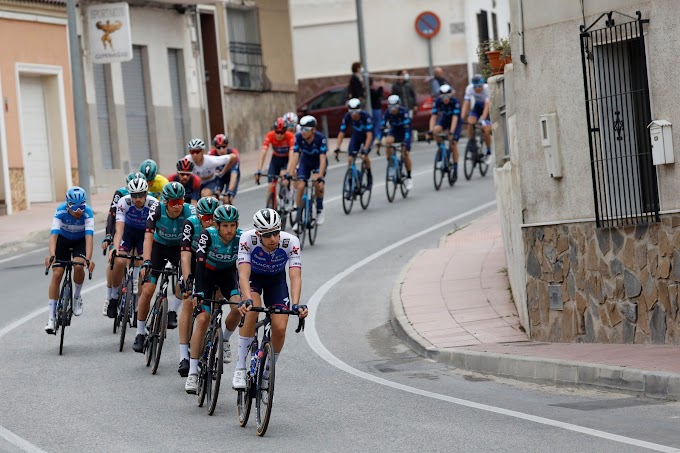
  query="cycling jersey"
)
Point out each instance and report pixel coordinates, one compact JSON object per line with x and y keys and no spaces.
{"x":207,"y":170}
{"x":446,"y":110}
{"x":360,"y":126}
{"x":400,"y":120}
{"x":280,"y":148}
{"x":156,"y":186}
{"x":214,"y":252}
{"x":165,"y":230}
{"x":192,"y":189}
{"x":111,"y":218}
{"x":265,"y":263}
{"x":231,"y":152}
{"x":476,"y":99}
{"x":190,"y":232}
{"x":128,"y":213}
{"x":313,"y":149}
{"x":64,"y":224}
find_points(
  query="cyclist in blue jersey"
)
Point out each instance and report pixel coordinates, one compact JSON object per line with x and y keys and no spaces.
{"x":161,"y":243}
{"x":446,"y":117}
{"x":216,"y":256}
{"x":399,"y":122}
{"x":362,"y":134}
{"x":131,"y":214}
{"x":263,"y":254}
{"x":70,"y":239}
{"x":310,"y":152}
{"x":476,"y":109}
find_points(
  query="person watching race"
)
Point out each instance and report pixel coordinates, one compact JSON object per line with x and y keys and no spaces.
{"x":264,"y":252}
{"x":190,"y":181}
{"x":446,"y":117}
{"x":156,"y":182}
{"x":309,"y":160}
{"x":70,"y":239}
{"x":282,"y":143}
{"x":206,"y":166}
{"x":230,"y":174}
{"x":399,"y":122}
{"x":362,"y":134}
{"x":476,"y":109}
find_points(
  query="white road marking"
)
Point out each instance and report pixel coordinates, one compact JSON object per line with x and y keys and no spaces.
{"x":314,"y":341}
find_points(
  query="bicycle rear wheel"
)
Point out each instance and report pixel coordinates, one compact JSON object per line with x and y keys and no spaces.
{"x":438,"y":174}
{"x":402,"y":182}
{"x":365,"y":188}
{"x":265,"y":389}
{"x":470,"y":159}
{"x":160,"y":327}
{"x":451,"y":175}
{"x":244,"y":397}
{"x":483,"y":166}
{"x":312,"y":223}
{"x":202,"y":379}
{"x":302,"y":226}
{"x":348,"y":192}
{"x":391,"y":177}
{"x":271,"y":200}
{"x":63,"y":314}
{"x":214,"y":370}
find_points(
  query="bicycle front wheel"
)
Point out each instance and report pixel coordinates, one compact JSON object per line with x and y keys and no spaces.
{"x":125,"y":320}
{"x":438,"y":174}
{"x":265,"y":388}
{"x":312,"y":223}
{"x":244,"y":397}
{"x":391,"y":177}
{"x":348,"y":192}
{"x":483,"y":166}
{"x":214,"y":376}
{"x":160,"y":327}
{"x":470,"y":159}
{"x":63,"y":315}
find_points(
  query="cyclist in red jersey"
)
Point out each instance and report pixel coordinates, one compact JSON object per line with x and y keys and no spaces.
{"x":231,"y":175}
{"x":191,"y":182}
{"x":282,"y":143}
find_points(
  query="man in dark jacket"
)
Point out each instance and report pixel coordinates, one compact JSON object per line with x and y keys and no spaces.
{"x":436,"y":81}
{"x":402,"y":88}
{"x":356,"y":88}
{"x":376,"y":105}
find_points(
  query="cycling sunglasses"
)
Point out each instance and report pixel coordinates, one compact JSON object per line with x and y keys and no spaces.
{"x":195,"y":151}
{"x":221,"y":147}
{"x":280,"y":132}
{"x":76,"y":208}
{"x":306,"y":129}
{"x":184,"y":173}
{"x":138,"y":195}
{"x":175,"y":203}
{"x":354,"y":110}
{"x":207,"y":218}
{"x":269,"y":234}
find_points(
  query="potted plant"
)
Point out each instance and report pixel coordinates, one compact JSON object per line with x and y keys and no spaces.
{"x":484,"y":66}
{"x":506,"y":52}
{"x":493,"y":56}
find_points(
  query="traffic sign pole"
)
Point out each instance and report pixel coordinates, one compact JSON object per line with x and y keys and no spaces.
{"x":427,"y":25}
{"x":429,"y":58}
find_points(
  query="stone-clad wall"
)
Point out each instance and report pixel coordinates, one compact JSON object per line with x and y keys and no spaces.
{"x":618,"y":285}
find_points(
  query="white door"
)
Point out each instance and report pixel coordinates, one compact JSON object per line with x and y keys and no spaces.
{"x":34,"y":138}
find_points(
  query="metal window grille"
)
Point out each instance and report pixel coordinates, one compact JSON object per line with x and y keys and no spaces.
{"x":248,"y":72}
{"x":618,"y":112}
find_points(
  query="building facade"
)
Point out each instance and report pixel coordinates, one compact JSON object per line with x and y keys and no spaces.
{"x":590,"y":214}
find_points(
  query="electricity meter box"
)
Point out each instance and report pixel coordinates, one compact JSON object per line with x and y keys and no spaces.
{"x":661,"y":135}
{"x":550,"y":142}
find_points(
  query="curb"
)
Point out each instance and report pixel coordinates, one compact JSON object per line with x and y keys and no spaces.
{"x":652,"y":384}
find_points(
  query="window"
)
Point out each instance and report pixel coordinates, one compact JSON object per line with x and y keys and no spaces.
{"x":176,"y":69}
{"x":494,"y":26}
{"x":245,"y":50}
{"x":482,"y":26}
{"x":330,"y":99}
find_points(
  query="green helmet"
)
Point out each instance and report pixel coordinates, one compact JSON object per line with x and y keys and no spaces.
{"x":207,"y":205}
{"x":173,"y":191}
{"x":149,"y":169}
{"x":226,"y":213}
{"x":135,"y":175}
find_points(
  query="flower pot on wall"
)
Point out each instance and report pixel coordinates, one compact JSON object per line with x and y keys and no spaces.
{"x":495,"y":61}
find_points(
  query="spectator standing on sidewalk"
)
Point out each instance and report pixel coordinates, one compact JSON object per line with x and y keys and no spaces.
{"x":356,"y":87}
{"x":437,"y":81}
{"x":403,"y":88}
{"x":376,"y":105}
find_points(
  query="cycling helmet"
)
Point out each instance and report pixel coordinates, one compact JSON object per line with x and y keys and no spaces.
{"x":279,"y":125}
{"x":308,"y":121}
{"x":207,"y":205}
{"x":393,"y":100}
{"x":445,"y":89}
{"x":291,"y":118}
{"x":196,"y":143}
{"x":173,"y":191}
{"x":267,"y":219}
{"x":149,"y":169}
{"x":76,"y":196}
{"x":135,"y":175}
{"x":138,"y":185}
{"x":477,"y":80}
{"x":185,"y":165}
{"x":220,"y":140}
{"x":226,"y":213}
{"x":354,"y":104}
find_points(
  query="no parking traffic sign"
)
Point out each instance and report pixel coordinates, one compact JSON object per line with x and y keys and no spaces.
{"x":427,"y":24}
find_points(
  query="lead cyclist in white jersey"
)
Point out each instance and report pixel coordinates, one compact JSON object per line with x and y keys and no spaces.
{"x":205,"y":166}
{"x":476,"y":108}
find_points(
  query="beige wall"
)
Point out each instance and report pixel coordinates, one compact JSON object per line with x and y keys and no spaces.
{"x":277,"y":43}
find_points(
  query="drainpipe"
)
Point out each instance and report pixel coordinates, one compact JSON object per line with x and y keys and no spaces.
{"x":522,"y":56}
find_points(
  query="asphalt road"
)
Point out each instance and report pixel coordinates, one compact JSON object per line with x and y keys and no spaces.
{"x":348,"y":384}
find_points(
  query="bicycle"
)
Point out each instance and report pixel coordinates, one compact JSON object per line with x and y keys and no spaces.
{"x":307,"y":225}
{"x":396,"y":172}
{"x":257,"y":386}
{"x":278,"y":203}
{"x":64,"y":308}
{"x":355,"y":183}
{"x":210,"y":363}
{"x":443,"y":164}
{"x":474,"y":153}
{"x":127,"y":303}
{"x":157,"y":319}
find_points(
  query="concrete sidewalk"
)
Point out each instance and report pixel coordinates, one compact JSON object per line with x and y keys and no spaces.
{"x":453,"y":305}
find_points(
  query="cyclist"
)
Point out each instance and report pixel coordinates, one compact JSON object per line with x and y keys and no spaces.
{"x":446,"y":117}
{"x":131,"y":214}
{"x":161,"y":244}
{"x":107,"y":242}
{"x":362,"y":134}
{"x":191,"y":182}
{"x":476,"y":108}
{"x":310,"y":153}
{"x":70,"y":239}
{"x":291,"y":120}
{"x":230,"y":174}
{"x":156,"y":182}
{"x":205,"y":166}
{"x":216,"y":256}
{"x":399,"y":122}
{"x":192,"y":229}
{"x":262,"y":257}
{"x":283,"y":144}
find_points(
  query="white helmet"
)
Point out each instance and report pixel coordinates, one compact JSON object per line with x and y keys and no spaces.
{"x":196,"y":143}
{"x":308,"y":121}
{"x":393,"y":100}
{"x":291,"y":118}
{"x":445,"y":89}
{"x":266,"y":220}
{"x":354,"y":104}
{"x":138,"y":185}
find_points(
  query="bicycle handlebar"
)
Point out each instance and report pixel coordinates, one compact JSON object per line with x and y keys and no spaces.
{"x":115,"y":255}
{"x":277,"y":311}
{"x":67,"y":263}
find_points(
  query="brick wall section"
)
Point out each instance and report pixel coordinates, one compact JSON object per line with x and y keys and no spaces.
{"x":618,"y":285}
{"x":455,"y":74}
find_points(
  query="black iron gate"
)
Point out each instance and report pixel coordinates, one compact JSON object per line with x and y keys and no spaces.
{"x":618,"y":113}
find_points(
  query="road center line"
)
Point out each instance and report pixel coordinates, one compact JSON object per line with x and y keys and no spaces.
{"x":315,"y":343}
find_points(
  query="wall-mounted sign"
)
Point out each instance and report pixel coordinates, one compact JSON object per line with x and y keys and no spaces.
{"x":109,"y":32}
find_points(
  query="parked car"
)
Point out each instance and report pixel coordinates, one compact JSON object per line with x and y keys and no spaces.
{"x":331,"y":104}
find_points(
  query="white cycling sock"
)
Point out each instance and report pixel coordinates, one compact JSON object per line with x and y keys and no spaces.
{"x":193,"y":366}
{"x":175,"y":304}
{"x":265,"y":374}
{"x":135,"y":272}
{"x":114,"y":293}
{"x":227,"y":335}
{"x":184,"y":351}
{"x":53,"y":308}
{"x":76,"y":289}
{"x":140,"y":327}
{"x":243,"y":344}
{"x":108,"y":292}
